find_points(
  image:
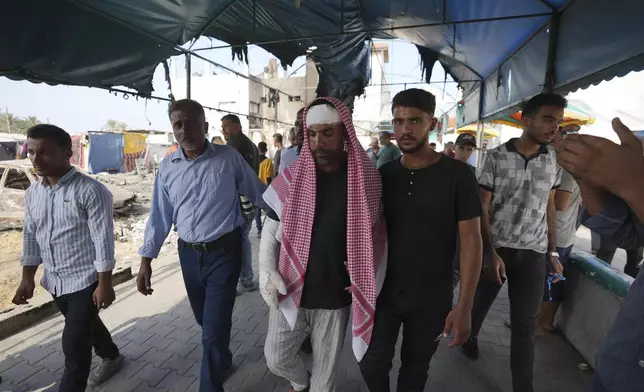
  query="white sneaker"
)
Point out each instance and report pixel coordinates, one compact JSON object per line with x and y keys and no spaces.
{"x":105,"y":370}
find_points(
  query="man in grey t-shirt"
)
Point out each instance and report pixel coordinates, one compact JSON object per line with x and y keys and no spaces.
{"x":388,"y":152}
{"x":567,"y":199}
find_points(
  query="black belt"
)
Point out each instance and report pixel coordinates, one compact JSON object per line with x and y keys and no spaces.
{"x":221,"y":242}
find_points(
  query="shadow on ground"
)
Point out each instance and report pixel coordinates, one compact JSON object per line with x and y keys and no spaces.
{"x":162,"y":344}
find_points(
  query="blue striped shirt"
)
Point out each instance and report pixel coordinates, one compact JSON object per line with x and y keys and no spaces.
{"x":69,"y":228}
{"x":200,"y":197}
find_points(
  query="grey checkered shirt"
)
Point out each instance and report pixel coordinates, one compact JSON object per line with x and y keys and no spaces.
{"x":520,"y":188}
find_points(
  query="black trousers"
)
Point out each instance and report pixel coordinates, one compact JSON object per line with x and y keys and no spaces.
{"x":83,"y":330}
{"x":634,"y":256}
{"x":526,"y":272}
{"x":422,"y":324}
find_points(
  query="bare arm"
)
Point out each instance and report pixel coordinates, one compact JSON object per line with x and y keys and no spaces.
{"x":562,"y":199}
{"x":634,"y":196}
{"x":594,"y":198}
{"x":471,"y":258}
{"x":551,"y":217}
{"x":486,"y":199}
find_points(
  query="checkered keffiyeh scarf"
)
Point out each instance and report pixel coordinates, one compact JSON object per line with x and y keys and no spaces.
{"x":292,"y":196}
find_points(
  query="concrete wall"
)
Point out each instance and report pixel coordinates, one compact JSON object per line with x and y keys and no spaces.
{"x":594,"y":294}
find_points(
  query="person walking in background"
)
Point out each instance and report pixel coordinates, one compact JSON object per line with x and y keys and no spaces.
{"x":517,"y":183}
{"x":197,"y":190}
{"x":428,"y":200}
{"x":449,"y":150}
{"x":432,"y":146}
{"x":388,"y":151}
{"x":465,"y":146}
{"x":326,"y":254}
{"x":172,"y":149}
{"x":266,"y":175}
{"x":235,"y":138}
{"x":279,"y":147}
{"x":69,"y":229}
{"x":372,"y":151}
{"x":296,"y":138}
{"x":611,"y":179}
{"x":567,"y":198}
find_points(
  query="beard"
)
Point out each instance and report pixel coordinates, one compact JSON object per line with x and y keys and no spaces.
{"x":325,"y":157}
{"x":416,"y":146}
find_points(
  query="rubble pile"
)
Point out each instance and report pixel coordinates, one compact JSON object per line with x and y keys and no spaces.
{"x":132,"y":230}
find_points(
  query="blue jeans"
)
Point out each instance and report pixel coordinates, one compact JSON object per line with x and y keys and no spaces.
{"x":211,"y":282}
{"x":246,"y":276}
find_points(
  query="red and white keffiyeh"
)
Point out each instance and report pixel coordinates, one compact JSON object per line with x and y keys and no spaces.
{"x":292,"y":197}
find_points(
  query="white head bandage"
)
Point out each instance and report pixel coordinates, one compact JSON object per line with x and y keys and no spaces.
{"x":322,"y":114}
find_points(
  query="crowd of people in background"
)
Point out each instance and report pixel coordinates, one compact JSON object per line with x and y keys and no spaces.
{"x":346,"y":231}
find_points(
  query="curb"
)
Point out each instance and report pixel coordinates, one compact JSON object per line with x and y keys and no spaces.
{"x":22,"y":317}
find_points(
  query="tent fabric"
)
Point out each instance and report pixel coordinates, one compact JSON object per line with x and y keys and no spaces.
{"x":497,"y":50}
{"x":105,"y":152}
{"x":134,"y":143}
{"x":134,"y":147}
{"x":78,"y":151}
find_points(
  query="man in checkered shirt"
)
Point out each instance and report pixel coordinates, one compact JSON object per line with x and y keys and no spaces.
{"x":517,"y":183}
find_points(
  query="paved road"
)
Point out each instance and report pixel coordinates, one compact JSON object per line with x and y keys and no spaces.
{"x":161,"y":341}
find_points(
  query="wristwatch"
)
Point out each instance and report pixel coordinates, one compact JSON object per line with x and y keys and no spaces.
{"x":554,"y":254}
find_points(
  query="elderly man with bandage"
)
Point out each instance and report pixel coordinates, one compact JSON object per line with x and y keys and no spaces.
{"x":324,"y":253}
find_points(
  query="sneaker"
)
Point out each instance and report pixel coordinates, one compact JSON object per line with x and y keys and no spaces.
{"x":105,"y":370}
{"x":245,"y":287}
{"x":471,"y":349}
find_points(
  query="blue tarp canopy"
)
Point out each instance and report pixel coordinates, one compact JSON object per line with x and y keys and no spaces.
{"x":501,"y":52}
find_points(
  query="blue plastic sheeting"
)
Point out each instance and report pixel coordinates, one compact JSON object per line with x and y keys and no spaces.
{"x":599,"y":40}
{"x":503,"y":42}
{"x":595,"y":42}
{"x":470,"y":110}
{"x":60,"y":42}
{"x":105,"y":152}
{"x":521,"y":77}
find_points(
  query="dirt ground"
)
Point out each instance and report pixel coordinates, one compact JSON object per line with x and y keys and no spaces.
{"x":128,"y":230}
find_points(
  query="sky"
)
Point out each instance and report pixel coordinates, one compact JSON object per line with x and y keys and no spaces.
{"x":79,"y":109}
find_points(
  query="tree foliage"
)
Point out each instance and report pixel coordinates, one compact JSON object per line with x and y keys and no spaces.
{"x":114,"y":125}
{"x":10,"y":123}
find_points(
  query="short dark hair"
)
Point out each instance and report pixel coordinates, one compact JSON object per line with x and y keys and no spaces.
{"x":432,"y":144}
{"x":262,"y":147}
{"x":51,"y":132}
{"x":384,"y":133}
{"x":415,"y":98}
{"x":232,"y":118}
{"x":187,"y":105}
{"x":544,"y":99}
{"x":449,"y":143}
{"x":278,"y":137}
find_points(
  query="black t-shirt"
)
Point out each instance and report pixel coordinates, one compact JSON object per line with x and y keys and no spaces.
{"x":246,"y":148}
{"x":326,"y":274}
{"x":423,"y":208}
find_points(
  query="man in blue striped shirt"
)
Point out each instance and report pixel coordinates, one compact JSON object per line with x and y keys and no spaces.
{"x":196,"y":190}
{"x":69,"y":229}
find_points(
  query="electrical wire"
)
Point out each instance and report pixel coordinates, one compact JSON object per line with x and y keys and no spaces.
{"x":127,"y":93}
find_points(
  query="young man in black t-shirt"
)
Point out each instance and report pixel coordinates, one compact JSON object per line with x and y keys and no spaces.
{"x":429,"y":199}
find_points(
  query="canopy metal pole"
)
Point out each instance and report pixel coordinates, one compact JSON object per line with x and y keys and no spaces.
{"x":385,"y":29}
{"x":553,"y":40}
{"x":479,"y":128}
{"x":188,"y":76}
